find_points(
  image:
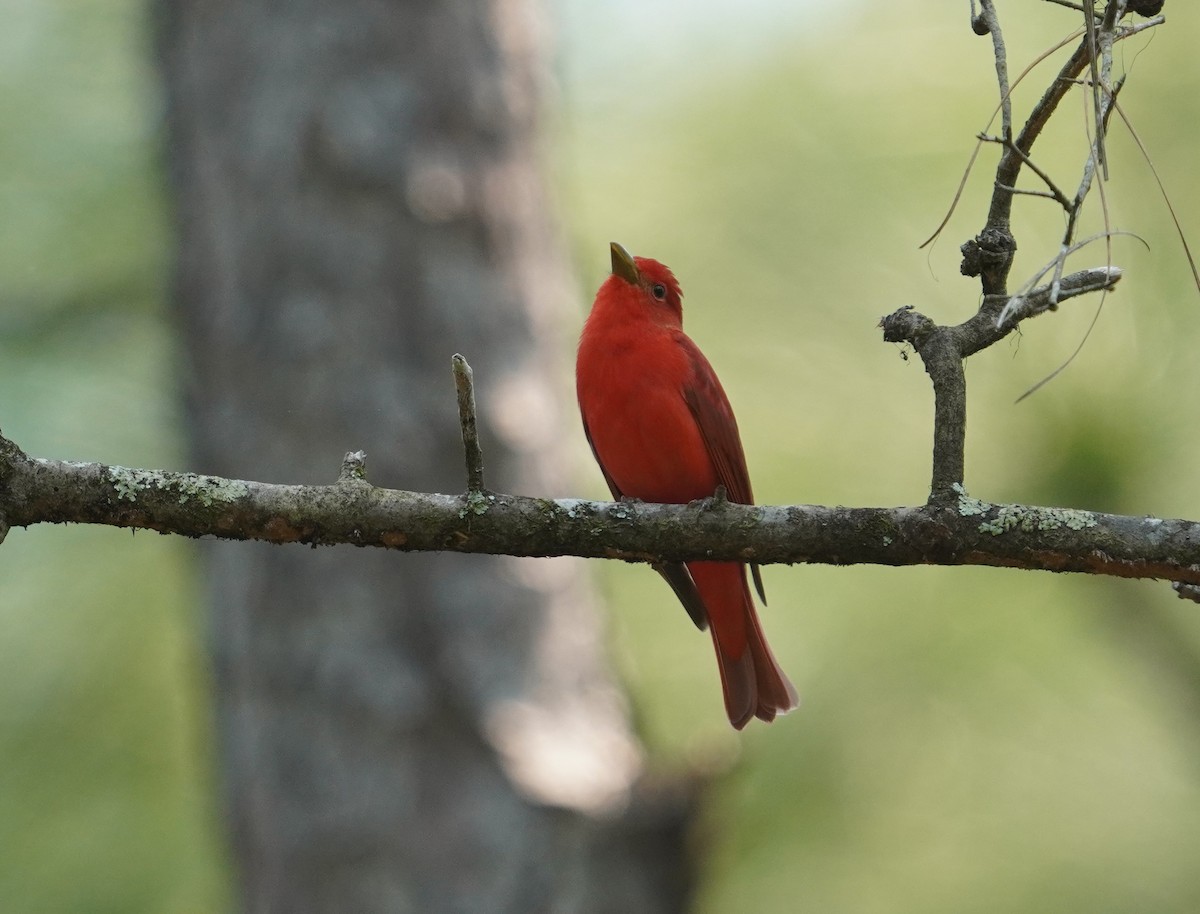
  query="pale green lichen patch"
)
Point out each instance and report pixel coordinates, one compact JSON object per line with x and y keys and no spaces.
{"x":208,"y":490}
{"x":968,"y":506}
{"x":131,"y":483}
{"x":477,"y":503}
{"x":1017,"y":517}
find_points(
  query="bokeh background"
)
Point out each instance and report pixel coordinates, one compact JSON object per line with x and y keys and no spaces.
{"x":970,"y":740}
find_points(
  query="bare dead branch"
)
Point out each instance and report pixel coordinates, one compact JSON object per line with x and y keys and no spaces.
{"x":979,"y":142}
{"x":1053,"y":193}
{"x":943,"y":349}
{"x":1089,"y":21}
{"x":1089,"y":168}
{"x":990,"y":22}
{"x":989,"y":255}
{"x":1054,"y":289}
{"x":1047,"y":298}
{"x":991,"y":252}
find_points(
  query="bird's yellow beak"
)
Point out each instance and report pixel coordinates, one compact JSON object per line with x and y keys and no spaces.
{"x":623,"y":265}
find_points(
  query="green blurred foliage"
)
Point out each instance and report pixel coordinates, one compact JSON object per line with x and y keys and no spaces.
{"x":970,"y":740}
{"x":107,"y":799}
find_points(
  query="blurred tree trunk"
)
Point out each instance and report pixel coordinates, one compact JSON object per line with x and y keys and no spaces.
{"x":359,"y":197}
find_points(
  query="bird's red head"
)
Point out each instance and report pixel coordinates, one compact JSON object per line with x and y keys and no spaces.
{"x":645,"y":285}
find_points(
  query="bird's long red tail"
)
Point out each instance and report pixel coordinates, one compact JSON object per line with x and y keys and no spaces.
{"x":752,"y":681}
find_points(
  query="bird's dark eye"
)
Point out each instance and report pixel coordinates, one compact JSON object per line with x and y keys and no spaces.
{"x":659,"y":291}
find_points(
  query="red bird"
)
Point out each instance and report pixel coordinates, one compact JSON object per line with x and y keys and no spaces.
{"x":663,"y":431}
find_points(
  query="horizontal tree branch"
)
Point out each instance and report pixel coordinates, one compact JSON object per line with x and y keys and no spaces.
{"x":965,"y":531}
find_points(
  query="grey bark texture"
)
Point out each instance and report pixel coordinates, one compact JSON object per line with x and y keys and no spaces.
{"x":359,"y":196}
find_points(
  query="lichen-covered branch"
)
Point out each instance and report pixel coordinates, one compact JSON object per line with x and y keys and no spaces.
{"x":961,"y":531}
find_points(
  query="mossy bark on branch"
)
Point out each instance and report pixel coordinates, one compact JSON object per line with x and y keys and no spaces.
{"x":962,"y":530}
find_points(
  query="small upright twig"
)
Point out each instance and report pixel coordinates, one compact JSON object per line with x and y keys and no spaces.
{"x":988,"y":23}
{"x":464,"y":383}
{"x":1097,"y":158}
{"x":354,"y":467}
{"x":1089,"y":21}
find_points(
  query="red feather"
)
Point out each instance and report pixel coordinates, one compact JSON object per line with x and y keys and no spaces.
{"x":661,"y":428}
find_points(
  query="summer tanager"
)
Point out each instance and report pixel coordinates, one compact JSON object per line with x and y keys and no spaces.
{"x":662,"y":430}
